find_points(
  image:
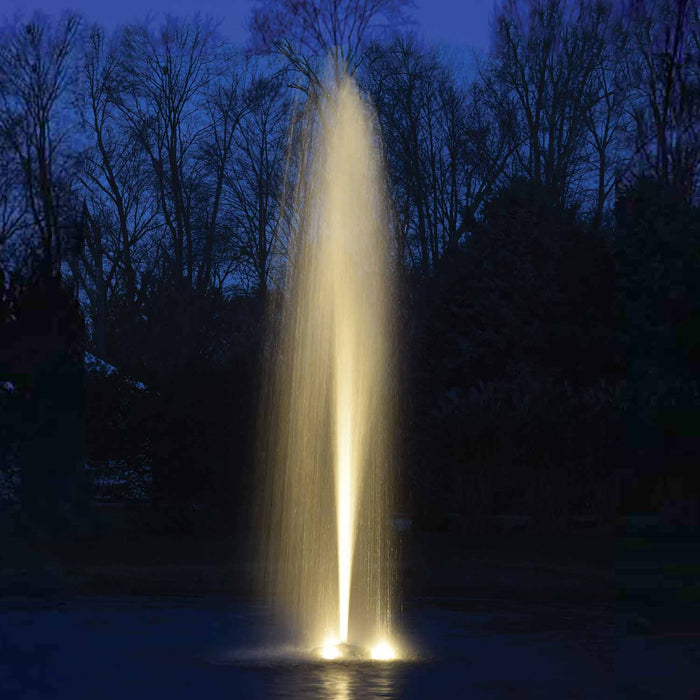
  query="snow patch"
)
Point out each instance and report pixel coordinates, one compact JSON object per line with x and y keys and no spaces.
{"x":95,"y":364}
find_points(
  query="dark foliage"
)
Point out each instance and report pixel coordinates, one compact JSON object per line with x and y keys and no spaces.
{"x":517,"y":365}
{"x":41,"y":355}
{"x":181,"y":437}
{"x":531,"y":290}
{"x":658,"y":249}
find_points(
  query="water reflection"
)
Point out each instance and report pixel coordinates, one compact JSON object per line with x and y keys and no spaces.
{"x":336,"y":684}
{"x":348,"y":681}
{"x":294,"y":674}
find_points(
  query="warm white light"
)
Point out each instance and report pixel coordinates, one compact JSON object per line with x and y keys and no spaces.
{"x":330,"y":652}
{"x":346,"y":501}
{"x":383,"y":652}
{"x":332,"y":390}
{"x":330,"y":649}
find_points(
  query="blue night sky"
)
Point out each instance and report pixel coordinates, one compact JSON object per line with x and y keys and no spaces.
{"x":450,"y":23}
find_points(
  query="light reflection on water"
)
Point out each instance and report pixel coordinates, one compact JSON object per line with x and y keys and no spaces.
{"x":295,"y":674}
{"x":347,"y":681}
{"x":337,"y":685}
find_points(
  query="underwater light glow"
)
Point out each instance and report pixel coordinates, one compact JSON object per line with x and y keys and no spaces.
{"x":383,"y":652}
{"x":330,"y":652}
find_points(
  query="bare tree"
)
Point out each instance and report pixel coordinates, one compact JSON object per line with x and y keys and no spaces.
{"x":488,"y":151}
{"x":93,"y":272}
{"x":227,"y":105}
{"x":120,"y":208}
{"x":401,"y":81}
{"x":543,"y":74}
{"x":13,"y":203}
{"x":607,"y":122}
{"x":36,"y":62}
{"x":443,"y":148}
{"x":304,"y":31}
{"x":665,"y":72}
{"x":255,"y":179}
{"x":164,"y":80}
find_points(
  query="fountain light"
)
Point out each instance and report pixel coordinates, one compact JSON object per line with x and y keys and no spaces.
{"x":330,"y":649}
{"x":329,"y":411}
{"x":383,"y":651}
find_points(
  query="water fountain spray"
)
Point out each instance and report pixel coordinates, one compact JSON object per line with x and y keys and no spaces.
{"x":329,"y":412}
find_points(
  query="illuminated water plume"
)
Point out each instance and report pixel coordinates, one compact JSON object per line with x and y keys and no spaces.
{"x":329,"y":409}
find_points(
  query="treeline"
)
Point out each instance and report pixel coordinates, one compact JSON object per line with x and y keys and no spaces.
{"x":546,"y":226}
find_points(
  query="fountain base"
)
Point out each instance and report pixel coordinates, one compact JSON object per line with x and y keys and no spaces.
{"x":341,"y":652}
{"x":349,"y":652}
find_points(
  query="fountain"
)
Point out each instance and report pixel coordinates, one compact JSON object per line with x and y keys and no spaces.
{"x":328,"y":406}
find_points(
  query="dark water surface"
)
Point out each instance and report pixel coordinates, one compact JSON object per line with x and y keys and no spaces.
{"x":220,"y":648}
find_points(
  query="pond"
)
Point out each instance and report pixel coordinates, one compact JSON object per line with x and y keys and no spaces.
{"x":212,"y":647}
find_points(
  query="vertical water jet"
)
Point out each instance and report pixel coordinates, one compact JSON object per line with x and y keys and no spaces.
{"x":328,"y":409}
